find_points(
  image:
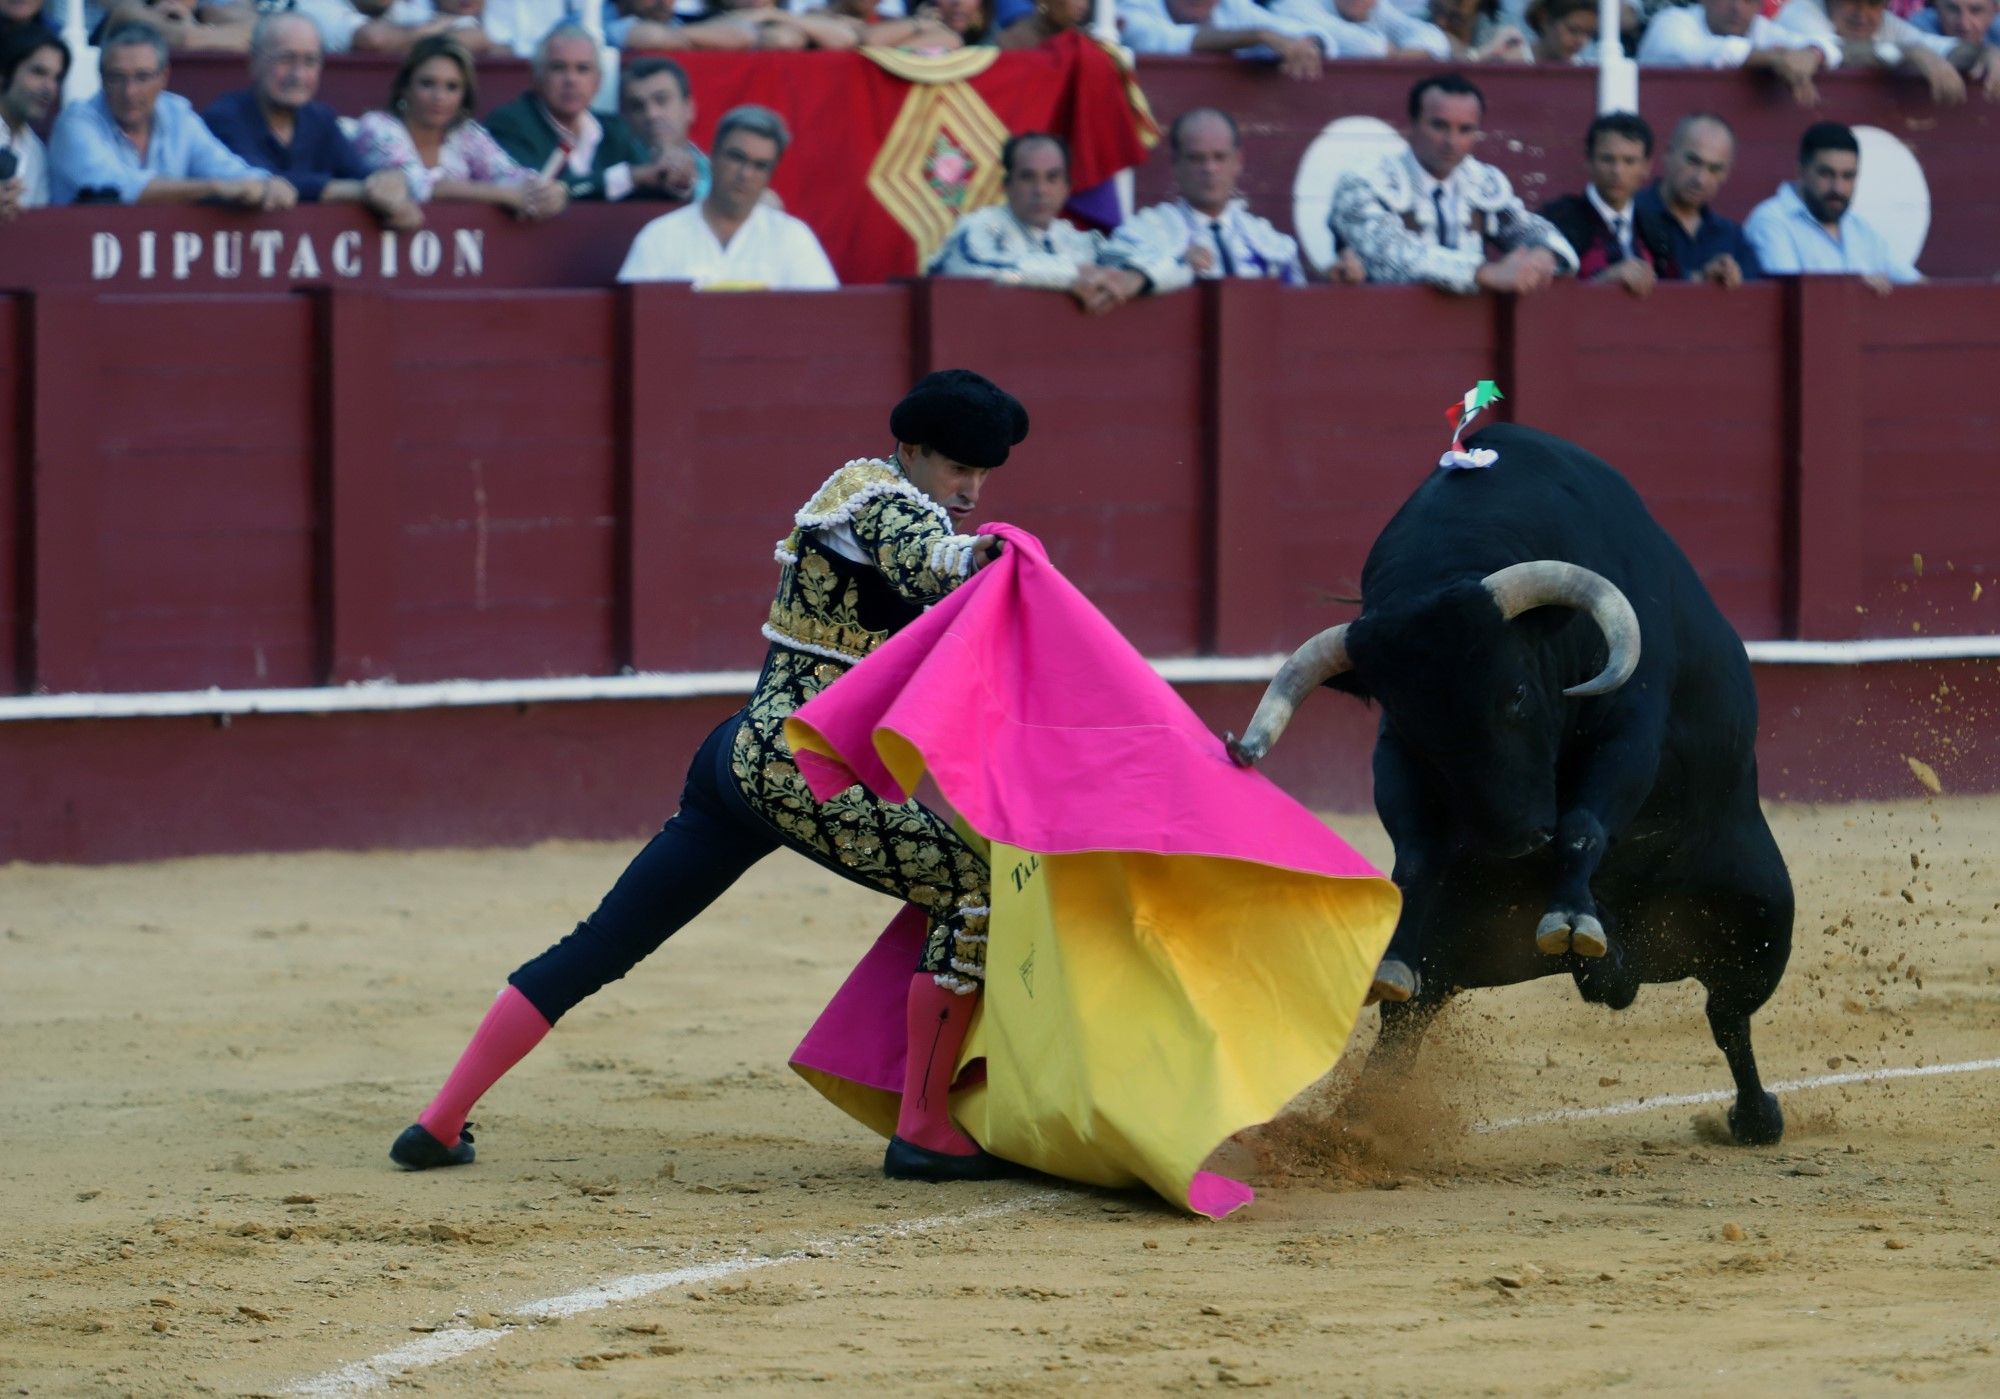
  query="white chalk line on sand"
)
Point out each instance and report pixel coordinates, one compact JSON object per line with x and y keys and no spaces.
{"x":1717,"y":1095}
{"x":441,"y":1346}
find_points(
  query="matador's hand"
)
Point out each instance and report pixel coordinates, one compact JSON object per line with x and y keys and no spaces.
{"x":985,"y":549}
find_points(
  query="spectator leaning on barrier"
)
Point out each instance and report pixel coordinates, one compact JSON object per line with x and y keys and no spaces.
{"x":1973,"y":22}
{"x":189,"y":26}
{"x":33,"y":64}
{"x":1808,"y":226}
{"x":1209,"y":232}
{"x":734,"y":239}
{"x":658,"y":109}
{"x":762,"y":24}
{"x":1043,"y":21}
{"x":1615,"y":240}
{"x":1221,"y":26}
{"x":1025,"y":243}
{"x":1479,"y":33}
{"x":276,"y":125}
{"x":1870,"y":36}
{"x":1426,"y":212}
{"x":137,"y":143}
{"x":1367,"y":28}
{"x":430,"y":136}
{"x":1733,"y":34}
{"x":1703,"y":244}
{"x":970,"y":20}
{"x":1562,"y":31}
{"x":551,"y":128}
{"x":392,"y":26}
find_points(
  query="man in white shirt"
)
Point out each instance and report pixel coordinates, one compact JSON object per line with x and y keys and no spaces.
{"x":1869,"y":36}
{"x":32,"y":67}
{"x":1808,"y":226}
{"x":732,"y":239}
{"x":1024,"y":242}
{"x":1733,"y":34}
{"x":1426,"y":212}
{"x":1224,"y":26}
{"x":1209,"y":232}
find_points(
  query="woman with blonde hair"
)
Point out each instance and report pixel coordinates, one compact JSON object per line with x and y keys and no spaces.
{"x":428,"y":133}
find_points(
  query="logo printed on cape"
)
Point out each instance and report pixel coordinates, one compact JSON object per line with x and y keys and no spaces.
{"x":1028,"y":973}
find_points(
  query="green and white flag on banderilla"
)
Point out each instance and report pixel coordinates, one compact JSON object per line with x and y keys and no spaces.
{"x":1460,"y":415}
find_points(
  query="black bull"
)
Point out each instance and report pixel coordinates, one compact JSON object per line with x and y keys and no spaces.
{"x":1565,"y":760}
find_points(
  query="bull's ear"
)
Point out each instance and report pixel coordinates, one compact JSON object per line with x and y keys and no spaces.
{"x":1540,"y":623}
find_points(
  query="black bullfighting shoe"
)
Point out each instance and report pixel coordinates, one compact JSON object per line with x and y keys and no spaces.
{"x":418,"y":1150}
{"x":908,"y":1161}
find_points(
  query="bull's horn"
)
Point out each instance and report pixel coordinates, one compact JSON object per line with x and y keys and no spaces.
{"x":1312,"y":665}
{"x":1553,"y":583}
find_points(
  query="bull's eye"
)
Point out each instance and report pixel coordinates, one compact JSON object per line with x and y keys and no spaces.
{"x":1517,"y":703}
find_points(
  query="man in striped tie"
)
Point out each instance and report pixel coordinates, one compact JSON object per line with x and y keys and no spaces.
{"x":1426,"y":212}
{"x":1209,"y":232}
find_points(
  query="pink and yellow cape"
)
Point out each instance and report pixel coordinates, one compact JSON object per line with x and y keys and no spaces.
{"x":1176,"y":948}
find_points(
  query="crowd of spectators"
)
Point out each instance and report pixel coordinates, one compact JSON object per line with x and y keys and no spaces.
{"x":1430,"y":212}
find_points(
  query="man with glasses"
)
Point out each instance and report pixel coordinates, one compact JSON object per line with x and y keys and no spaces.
{"x":276,"y":125}
{"x":137,"y":143}
{"x":733,"y":239}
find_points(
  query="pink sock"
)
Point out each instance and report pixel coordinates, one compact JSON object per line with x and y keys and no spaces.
{"x":511,"y":1028}
{"x":936,"y":1020}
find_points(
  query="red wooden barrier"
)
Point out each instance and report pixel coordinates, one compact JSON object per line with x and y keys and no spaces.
{"x":279,"y":490}
{"x":1327,"y":404}
{"x":1115,"y":465}
{"x":505,"y":492}
{"x":174,"y":493}
{"x":739,"y":405}
{"x":15,"y":559}
{"x":1686,"y":393}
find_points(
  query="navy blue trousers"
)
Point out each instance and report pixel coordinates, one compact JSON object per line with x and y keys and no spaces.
{"x":706,"y":847}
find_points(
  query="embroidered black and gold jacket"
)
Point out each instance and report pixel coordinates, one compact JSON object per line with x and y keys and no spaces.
{"x":838,"y":608}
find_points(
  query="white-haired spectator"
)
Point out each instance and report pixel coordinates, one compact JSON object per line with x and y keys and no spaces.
{"x":429,"y":134}
{"x":137,"y":143}
{"x":551,"y":127}
{"x":1734,"y":34}
{"x":277,"y":125}
{"x":734,"y":239}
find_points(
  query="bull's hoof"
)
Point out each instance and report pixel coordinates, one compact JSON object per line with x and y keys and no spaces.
{"x":1394,"y":981}
{"x":1580,"y":933}
{"x":1552,"y":936}
{"x":1763,"y":1124}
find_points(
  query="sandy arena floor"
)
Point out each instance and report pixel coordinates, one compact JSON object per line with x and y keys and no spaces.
{"x":203,"y":1062}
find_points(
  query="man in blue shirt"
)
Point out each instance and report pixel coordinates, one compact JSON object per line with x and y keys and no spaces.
{"x":1808,"y":227}
{"x":1706,"y":246}
{"x":276,"y":125}
{"x":137,"y":143}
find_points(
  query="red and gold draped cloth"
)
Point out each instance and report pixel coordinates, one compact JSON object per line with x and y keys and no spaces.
{"x":889,"y":148}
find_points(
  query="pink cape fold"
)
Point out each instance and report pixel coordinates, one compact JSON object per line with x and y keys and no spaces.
{"x":1057,"y":738}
